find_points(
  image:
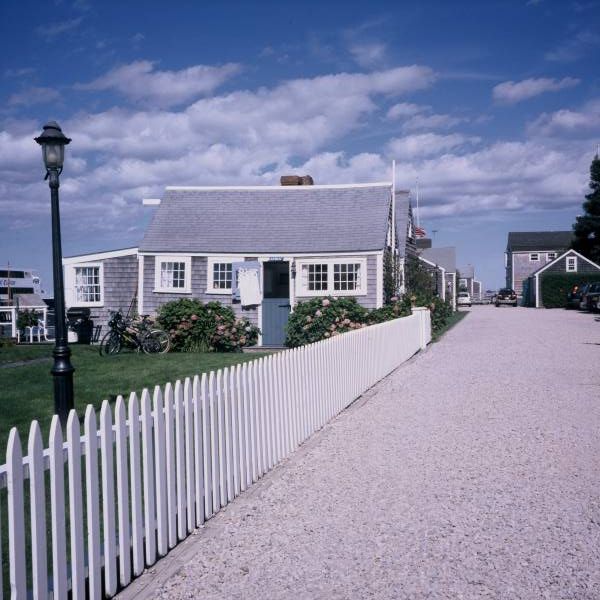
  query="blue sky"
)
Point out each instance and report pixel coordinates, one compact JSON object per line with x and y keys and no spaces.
{"x":493,"y":106}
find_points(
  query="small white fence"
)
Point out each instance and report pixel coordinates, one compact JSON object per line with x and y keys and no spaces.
{"x":123,"y":494}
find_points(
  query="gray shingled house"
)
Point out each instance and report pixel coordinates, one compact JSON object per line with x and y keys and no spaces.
{"x":568,"y":262}
{"x":292,"y":242}
{"x":443,"y":261}
{"x":529,"y":251}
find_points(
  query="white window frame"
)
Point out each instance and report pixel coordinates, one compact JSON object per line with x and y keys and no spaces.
{"x":187,"y":275}
{"x":551,"y":255}
{"x":574,"y":263}
{"x":211,"y":261}
{"x":531,"y":257}
{"x":302,"y":290}
{"x":71,"y":283}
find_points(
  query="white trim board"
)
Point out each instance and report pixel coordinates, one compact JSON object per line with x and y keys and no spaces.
{"x":266,"y":257}
{"x":245,"y":188}
{"x":72,"y":260}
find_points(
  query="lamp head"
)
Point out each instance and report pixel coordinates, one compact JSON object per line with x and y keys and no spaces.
{"x":53,"y":142}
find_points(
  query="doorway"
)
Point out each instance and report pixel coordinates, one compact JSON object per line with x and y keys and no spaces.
{"x":276,"y":302}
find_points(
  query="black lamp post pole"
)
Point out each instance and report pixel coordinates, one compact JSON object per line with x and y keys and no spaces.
{"x":62,"y":369}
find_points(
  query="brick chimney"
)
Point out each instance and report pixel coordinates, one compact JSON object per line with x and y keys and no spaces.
{"x":296,"y":180}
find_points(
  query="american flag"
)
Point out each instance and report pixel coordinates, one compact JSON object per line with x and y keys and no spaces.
{"x":420,"y":232}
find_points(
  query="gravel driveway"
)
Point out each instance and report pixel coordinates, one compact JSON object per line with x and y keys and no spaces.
{"x":473,"y":471}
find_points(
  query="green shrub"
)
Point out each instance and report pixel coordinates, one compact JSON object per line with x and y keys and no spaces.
{"x":26,"y":318}
{"x":397,"y":308}
{"x":554,"y":287}
{"x":321,"y":318}
{"x":197,"y":327}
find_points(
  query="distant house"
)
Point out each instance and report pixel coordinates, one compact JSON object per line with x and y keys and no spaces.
{"x":260,"y":249}
{"x":443,"y":260}
{"x":466,"y":279}
{"x":568,"y":262}
{"x":529,"y":251}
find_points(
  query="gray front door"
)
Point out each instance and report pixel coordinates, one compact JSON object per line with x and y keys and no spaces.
{"x":276,"y":302}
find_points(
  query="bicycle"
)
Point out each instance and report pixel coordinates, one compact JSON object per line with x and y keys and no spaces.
{"x":140,"y":335}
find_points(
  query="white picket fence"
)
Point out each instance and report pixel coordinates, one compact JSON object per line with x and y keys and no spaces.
{"x":123,"y":494}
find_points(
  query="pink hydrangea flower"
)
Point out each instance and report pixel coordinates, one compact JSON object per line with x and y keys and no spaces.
{"x":327,"y":334}
{"x":326,"y":302}
{"x":318,"y":314}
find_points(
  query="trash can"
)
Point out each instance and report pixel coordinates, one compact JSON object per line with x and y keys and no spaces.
{"x":78,"y":320}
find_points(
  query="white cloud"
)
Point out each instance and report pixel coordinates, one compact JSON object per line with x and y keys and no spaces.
{"x":403,"y":109}
{"x":583,"y":122}
{"x":426,"y":144}
{"x":574,"y":48}
{"x":432,"y":121}
{"x":511,"y":92}
{"x":368,"y":54}
{"x":140,"y":82}
{"x":52,"y":30}
{"x":33,"y":95}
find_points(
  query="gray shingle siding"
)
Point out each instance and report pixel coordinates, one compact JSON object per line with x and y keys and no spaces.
{"x":153,"y":300}
{"x":120,"y":287}
{"x":583,"y":266}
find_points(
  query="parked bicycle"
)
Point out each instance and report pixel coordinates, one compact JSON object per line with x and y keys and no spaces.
{"x":137,"y":334}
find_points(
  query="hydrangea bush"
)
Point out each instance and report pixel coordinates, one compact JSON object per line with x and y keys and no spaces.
{"x":322,"y":318}
{"x":197,"y":327}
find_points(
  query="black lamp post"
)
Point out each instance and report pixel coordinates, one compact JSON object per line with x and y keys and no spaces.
{"x":53,"y":142}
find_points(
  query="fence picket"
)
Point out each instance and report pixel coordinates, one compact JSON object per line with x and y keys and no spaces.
{"x":180,"y":460}
{"x":171,"y":462}
{"x":148,"y":479}
{"x":226,"y":401}
{"x":137,"y":511}
{"x":39,"y":555}
{"x":236,"y":448}
{"x":160,"y":459}
{"x":108,"y":499}
{"x":198,"y":452}
{"x":57,"y":509}
{"x":124,"y":528}
{"x":75,"y":507}
{"x":242,"y":373}
{"x":190,"y":470}
{"x":206,"y":448}
{"x":215,"y":444}
{"x":16,"y":517}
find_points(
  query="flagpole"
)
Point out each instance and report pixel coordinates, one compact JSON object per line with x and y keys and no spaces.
{"x":418,"y":216}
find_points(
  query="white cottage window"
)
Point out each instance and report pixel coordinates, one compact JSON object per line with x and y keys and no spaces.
{"x":534,"y":256}
{"x":219,"y":274}
{"x":550,"y":255}
{"x":173,"y":274}
{"x":571,"y":264}
{"x":87,"y":289}
{"x":335,"y":277}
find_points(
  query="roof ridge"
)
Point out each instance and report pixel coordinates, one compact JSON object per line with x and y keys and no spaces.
{"x":233,"y":188}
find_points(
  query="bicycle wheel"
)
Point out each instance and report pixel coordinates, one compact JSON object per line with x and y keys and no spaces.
{"x":111,"y":344}
{"x":156,"y":342}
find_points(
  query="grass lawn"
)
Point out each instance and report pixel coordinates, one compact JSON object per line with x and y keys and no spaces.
{"x":453,"y":319}
{"x":26,"y":390}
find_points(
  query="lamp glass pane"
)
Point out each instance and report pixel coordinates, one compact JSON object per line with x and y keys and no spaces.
{"x":53,"y":155}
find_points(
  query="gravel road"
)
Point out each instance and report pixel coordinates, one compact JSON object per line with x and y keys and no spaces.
{"x":473,"y":471}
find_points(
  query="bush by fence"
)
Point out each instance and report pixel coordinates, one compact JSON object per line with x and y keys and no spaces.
{"x":554,"y":287}
{"x":197,"y":327}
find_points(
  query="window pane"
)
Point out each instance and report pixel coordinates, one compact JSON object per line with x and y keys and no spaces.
{"x":87,"y":284}
{"x":346,"y":277}
{"x":317,"y":277}
{"x":222,"y":276}
{"x":172,"y":275}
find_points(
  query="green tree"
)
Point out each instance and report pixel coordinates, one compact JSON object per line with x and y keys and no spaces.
{"x":587,"y":226}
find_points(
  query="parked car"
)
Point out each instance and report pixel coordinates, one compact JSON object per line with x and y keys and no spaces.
{"x":506,"y":296}
{"x":590,"y":297}
{"x":464,"y":299}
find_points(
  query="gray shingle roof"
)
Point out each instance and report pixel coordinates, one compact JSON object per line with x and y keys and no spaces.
{"x":539,"y":240}
{"x":444,"y":257}
{"x":270,"y":220}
